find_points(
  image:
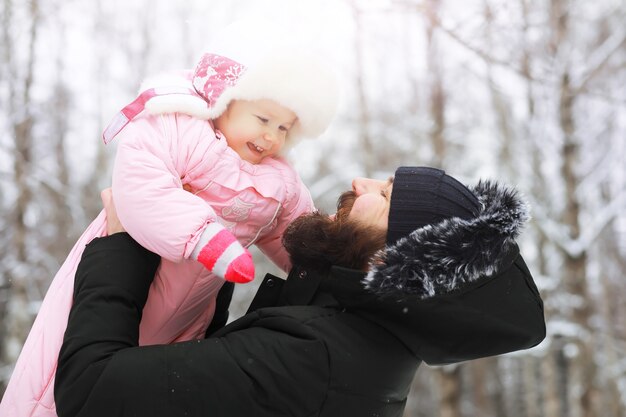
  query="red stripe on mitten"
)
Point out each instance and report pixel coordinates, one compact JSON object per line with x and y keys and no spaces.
{"x":223,"y":255}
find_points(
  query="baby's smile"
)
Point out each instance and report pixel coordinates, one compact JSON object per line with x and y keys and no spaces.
{"x":255,"y":148}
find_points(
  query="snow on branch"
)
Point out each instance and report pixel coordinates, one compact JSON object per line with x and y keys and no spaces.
{"x":553,"y":230}
{"x":557,"y":232}
{"x":601,"y":219}
{"x":601,"y":56}
{"x":489,"y":59}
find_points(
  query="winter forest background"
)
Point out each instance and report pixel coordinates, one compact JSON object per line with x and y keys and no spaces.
{"x":531,"y":92}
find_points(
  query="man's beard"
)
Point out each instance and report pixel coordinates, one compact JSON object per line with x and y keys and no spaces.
{"x":316,"y":241}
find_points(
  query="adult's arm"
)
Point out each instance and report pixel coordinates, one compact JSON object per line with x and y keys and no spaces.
{"x":102,"y":371}
{"x":110,"y":290}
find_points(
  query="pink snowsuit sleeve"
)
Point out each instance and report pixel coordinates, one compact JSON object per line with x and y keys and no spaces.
{"x":299,"y":202}
{"x":155,"y":156}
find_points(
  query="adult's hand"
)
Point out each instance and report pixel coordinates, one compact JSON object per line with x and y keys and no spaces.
{"x":113,"y":222}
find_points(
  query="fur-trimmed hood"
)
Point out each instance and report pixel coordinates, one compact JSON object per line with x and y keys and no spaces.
{"x":441,"y":258}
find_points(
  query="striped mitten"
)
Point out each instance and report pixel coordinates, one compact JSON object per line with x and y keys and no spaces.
{"x":220,"y":252}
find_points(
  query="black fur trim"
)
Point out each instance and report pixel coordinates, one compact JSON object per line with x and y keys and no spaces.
{"x":440,"y":258}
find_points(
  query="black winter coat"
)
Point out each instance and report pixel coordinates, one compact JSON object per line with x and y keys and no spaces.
{"x":313,"y":345}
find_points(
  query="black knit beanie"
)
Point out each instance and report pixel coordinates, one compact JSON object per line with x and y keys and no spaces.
{"x":423,"y":196}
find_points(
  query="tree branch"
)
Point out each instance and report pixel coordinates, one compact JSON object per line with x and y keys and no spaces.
{"x":600,"y":57}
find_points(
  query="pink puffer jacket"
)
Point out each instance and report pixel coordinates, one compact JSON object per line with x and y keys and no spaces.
{"x":156,"y":156}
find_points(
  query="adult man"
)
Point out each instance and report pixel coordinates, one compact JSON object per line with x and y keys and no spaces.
{"x":342,"y":336}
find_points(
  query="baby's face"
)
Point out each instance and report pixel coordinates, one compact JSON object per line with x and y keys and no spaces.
{"x":255,"y":129}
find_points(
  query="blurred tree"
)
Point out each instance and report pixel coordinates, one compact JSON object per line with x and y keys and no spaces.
{"x":531,"y":91}
{"x":19,"y":60}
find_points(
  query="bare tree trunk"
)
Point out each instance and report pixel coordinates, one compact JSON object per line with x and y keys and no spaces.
{"x":60,"y":189}
{"x":479,"y":387}
{"x":532,"y":380}
{"x":574,"y":264}
{"x":539,"y":390}
{"x":367,"y":151}
{"x":17,"y":319}
{"x":513,"y":388}
{"x":437,"y":102}
{"x":449,"y":379}
{"x":505,"y":161}
{"x":98,"y":179}
{"x":22,"y":133}
{"x":574,"y":268}
{"x":487,"y":390}
{"x":612,"y":319}
{"x":420,"y":401}
{"x":7,"y":103}
{"x":409,"y":51}
{"x":496,"y":393}
{"x":611,"y":402}
{"x":450,"y":391}
{"x":20,"y":110}
{"x":558,"y":369}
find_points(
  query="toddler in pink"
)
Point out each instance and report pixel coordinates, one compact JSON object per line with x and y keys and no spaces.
{"x":198,"y":178}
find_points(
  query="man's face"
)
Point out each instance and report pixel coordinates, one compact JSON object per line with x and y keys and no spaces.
{"x":371,"y":200}
{"x":349,"y":239}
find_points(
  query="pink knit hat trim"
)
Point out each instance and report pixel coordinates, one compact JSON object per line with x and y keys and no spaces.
{"x":214,"y":74}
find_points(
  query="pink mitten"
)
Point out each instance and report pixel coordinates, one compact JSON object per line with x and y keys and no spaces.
{"x":220,"y":252}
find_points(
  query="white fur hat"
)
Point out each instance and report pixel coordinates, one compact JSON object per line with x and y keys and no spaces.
{"x":255,"y":67}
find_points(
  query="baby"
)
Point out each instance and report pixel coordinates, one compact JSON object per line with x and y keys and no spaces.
{"x":198,"y":178}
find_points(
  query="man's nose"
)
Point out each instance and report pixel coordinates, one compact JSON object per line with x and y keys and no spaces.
{"x":360,"y":186}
